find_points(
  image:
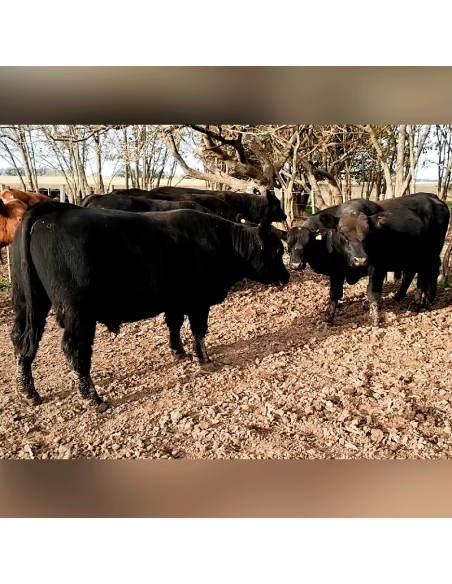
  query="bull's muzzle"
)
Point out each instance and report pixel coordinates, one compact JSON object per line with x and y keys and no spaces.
{"x":360,"y":262}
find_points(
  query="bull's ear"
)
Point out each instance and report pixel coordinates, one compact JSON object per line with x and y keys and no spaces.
{"x":269,"y":195}
{"x":327,"y":220}
{"x":264,"y":229}
{"x":378,"y":220}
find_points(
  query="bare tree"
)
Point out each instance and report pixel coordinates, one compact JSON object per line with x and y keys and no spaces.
{"x":443,"y":145}
{"x":390,"y":142}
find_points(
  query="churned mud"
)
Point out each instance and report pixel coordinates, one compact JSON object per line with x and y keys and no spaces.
{"x":288,"y":387}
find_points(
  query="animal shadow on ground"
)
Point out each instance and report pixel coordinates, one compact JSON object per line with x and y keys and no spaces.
{"x":352,"y":313}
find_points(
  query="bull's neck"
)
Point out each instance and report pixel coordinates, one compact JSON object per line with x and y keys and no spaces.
{"x":244,"y":241}
{"x":246,"y":203}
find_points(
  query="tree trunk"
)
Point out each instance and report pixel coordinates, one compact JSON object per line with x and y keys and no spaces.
{"x":100,"y":180}
{"x":318,"y":202}
{"x":348,"y":180}
{"x":126,"y":158}
{"x":412,"y":169}
{"x":82,"y":187}
{"x":20,"y":142}
{"x":378,"y":182}
{"x":335,"y":192}
{"x":399,"y":190}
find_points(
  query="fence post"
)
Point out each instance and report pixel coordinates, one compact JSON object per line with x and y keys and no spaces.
{"x":8,"y":261}
{"x":62,"y":194}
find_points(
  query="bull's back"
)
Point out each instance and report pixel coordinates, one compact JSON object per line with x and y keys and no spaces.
{"x":364,"y":206}
{"x":418,"y":214}
{"x":127,"y":264}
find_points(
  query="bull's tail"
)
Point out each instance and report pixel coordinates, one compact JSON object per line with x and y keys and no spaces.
{"x":26,"y":281}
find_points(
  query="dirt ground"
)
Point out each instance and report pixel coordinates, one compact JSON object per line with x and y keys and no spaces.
{"x":288,"y":387}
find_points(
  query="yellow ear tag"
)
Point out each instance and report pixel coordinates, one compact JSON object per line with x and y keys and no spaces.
{"x":318,"y":237}
{"x":243,"y":221}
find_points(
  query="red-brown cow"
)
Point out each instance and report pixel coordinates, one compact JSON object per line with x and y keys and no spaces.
{"x":11,"y":214}
{"x":29,"y":199}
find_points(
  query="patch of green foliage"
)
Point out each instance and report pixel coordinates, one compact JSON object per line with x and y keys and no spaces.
{"x":445,"y":283}
{"x":5,"y":284}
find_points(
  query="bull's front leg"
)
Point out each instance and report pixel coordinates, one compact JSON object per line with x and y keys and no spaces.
{"x":336,"y":293}
{"x":374,"y":289}
{"x":198,"y":324}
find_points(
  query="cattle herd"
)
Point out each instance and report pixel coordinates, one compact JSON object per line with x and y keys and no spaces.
{"x":180,"y":250}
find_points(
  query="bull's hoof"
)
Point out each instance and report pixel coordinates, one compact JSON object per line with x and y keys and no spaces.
{"x":416,"y":301}
{"x":33,"y":400}
{"x":102,"y":407}
{"x":329,"y":313}
{"x":426,"y":303}
{"x":179,"y":356}
{"x":415,"y":305}
{"x":208,"y":367}
{"x":327,"y":318}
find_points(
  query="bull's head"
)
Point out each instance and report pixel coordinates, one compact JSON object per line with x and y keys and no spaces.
{"x":302,"y":243}
{"x":275,"y":212}
{"x":351,"y":230}
{"x":267,"y":257}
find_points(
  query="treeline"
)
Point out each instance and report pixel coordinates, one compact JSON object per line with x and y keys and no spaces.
{"x":380,"y":159}
{"x":20,"y":171}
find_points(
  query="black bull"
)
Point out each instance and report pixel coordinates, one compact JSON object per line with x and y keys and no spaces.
{"x":405,"y":234}
{"x":139,"y":204}
{"x":133,"y":204}
{"x":252,"y":207}
{"x":177,"y":262}
{"x":209,"y":202}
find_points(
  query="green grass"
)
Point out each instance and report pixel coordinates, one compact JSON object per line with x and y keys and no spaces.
{"x":5,"y":285}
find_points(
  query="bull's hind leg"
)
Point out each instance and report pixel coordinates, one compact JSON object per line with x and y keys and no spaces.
{"x":376,"y":279}
{"x":198,"y":325}
{"x":432,"y":286}
{"x":77,"y":345}
{"x":407,"y":279}
{"x":26,"y":341}
{"x":175,"y":321}
{"x":423,"y":283}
